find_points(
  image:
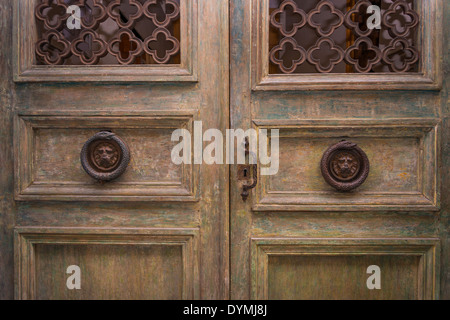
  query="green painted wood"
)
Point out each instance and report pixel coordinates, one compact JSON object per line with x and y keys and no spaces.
{"x":310,"y":109}
{"x":48,"y":189}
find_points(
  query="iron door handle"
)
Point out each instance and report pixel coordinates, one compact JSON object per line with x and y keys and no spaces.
{"x":105,"y":156}
{"x":345,"y":166}
{"x":246,"y":168}
{"x":247,"y":187}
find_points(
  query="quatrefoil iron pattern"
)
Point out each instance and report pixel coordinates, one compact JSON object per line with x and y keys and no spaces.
{"x":85,"y":46}
{"x":297,"y":58}
{"x":338,"y":53}
{"x":389,"y":49}
{"x":137,"y":31}
{"x":276,"y":18}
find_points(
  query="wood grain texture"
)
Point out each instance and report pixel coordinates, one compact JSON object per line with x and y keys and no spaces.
{"x":113,"y":272}
{"x":133,"y":101}
{"x":336,"y":268}
{"x":343,"y":277}
{"x":407,"y":182}
{"x":209,"y":97}
{"x":7,"y":206}
{"x":444,"y":227}
{"x":115,"y":263}
{"x":48,"y":158}
{"x":294,"y":102}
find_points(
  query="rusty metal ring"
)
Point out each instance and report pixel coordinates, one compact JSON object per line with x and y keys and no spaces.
{"x":345,"y":166}
{"x":105,"y":156}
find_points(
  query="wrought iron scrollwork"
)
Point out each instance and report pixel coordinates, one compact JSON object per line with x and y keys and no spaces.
{"x":332,"y":47}
{"x":285,"y":45}
{"x":322,"y":29}
{"x":362,"y":52}
{"x":58,"y":43}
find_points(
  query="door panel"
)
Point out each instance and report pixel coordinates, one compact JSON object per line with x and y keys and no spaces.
{"x":159,"y":38}
{"x":344,"y":277}
{"x":49,"y":165}
{"x":155,"y":260}
{"x":298,"y":42}
{"x":114,"y":263}
{"x":396,"y":182}
{"x":339,"y":268}
{"x":147,"y":233}
{"x":162,"y":231}
{"x":297,"y":237}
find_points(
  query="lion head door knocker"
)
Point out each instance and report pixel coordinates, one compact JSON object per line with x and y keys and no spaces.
{"x":345,"y":166}
{"x":105,"y":156}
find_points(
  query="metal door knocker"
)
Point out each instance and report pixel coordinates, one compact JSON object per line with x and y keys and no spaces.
{"x":345,"y":166}
{"x":105,"y":156}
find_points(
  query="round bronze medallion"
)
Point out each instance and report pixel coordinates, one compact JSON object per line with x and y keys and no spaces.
{"x":345,"y":166}
{"x":105,"y":156}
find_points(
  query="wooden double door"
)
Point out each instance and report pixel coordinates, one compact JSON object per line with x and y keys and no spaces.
{"x":100,"y":97}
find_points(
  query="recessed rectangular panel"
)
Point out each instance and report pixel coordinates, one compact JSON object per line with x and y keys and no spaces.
{"x":402,"y":158}
{"x":80,"y":263}
{"x":394,"y":165}
{"x":57,"y":156}
{"x":345,"y":268}
{"x":109,"y":271}
{"x":342,"y":277}
{"x":48,"y":165}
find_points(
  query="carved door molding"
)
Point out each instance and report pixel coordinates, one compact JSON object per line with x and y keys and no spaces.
{"x":304,"y":233}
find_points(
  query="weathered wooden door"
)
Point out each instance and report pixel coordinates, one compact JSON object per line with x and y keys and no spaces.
{"x":93,"y":206}
{"x":363,"y":218}
{"x":117,"y":78}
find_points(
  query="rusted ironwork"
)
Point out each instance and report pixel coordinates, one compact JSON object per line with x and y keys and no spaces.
{"x":168,"y":17}
{"x":126,"y":45}
{"x":125,"y":36}
{"x":105,"y":156}
{"x":285,"y":45}
{"x":247,"y":187}
{"x":322,"y":29}
{"x":56,"y":20}
{"x":84,"y":47}
{"x":363,"y":45}
{"x":248,"y":172}
{"x":276,"y":18}
{"x":345,"y":166}
{"x":332,"y":61}
{"x":356,"y":25}
{"x":389,"y":19}
{"x":92,"y":13}
{"x":363,"y":53}
{"x":53,"y":48}
{"x":409,"y":55}
{"x":150,"y":45}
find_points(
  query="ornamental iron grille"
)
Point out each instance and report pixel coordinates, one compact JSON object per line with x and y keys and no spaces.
{"x":338,"y":36}
{"x":109,"y":32}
